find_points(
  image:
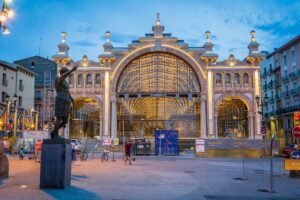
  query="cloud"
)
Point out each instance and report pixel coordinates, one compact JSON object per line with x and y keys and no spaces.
{"x":84,"y":43}
{"x":121,"y":38}
{"x":86,"y":28}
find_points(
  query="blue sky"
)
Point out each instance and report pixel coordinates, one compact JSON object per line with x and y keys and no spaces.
{"x":86,"y":21}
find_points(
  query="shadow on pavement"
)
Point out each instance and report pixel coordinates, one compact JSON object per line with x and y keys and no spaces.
{"x":71,"y":193}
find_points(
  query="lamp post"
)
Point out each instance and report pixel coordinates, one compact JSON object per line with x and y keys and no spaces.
{"x":16,"y":113}
{"x":266,"y":101}
{"x":5,"y":13}
{"x":8,"y":113}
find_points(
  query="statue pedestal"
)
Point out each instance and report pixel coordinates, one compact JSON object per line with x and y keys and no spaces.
{"x":56,"y":164}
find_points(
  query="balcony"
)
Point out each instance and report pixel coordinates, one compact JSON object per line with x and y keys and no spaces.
{"x":38,"y":98}
{"x":278,"y":112}
{"x":263,"y":75}
{"x":264,"y":87}
{"x":295,"y":91}
{"x":277,"y":68}
{"x":291,"y":109}
{"x":293,"y":75}
{"x":277,"y":82}
{"x":270,"y":71}
{"x":21,"y":87}
{"x":285,"y":78}
{"x":277,"y":97}
{"x":270,"y":84}
{"x":5,"y":82}
{"x":286,"y":94}
{"x":271,"y":100}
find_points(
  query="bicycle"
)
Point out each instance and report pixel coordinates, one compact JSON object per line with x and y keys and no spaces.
{"x":104,"y":156}
{"x":83,"y":155}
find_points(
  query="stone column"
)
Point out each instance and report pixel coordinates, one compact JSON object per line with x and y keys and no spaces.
{"x":216,"y":124}
{"x":203,"y":117}
{"x":210,"y":101}
{"x":113,"y":116}
{"x":251,"y":125}
{"x":106,"y":103}
{"x":257,"y":116}
{"x":101,"y":126}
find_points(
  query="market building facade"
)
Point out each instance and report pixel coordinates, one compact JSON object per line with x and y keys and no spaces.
{"x":160,"y":82}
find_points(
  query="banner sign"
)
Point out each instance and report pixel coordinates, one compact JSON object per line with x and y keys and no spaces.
{"x":200,"y":146}
{"x":296,"y":131}
{"x":291,"y":164}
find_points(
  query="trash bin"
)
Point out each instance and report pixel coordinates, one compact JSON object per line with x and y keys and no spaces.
{"x":147,"y":148}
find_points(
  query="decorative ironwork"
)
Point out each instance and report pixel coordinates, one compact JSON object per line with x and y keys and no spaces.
{"x":158,"y":73}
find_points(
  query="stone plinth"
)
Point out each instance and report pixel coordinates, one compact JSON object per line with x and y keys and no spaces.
{"x":4,"y":165}
{"x":55,"y":164}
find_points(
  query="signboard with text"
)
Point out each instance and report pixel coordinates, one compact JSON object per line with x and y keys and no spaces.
{"x":106,"y":141}
{"x":296,"y":131}
{"x":200,"y":146}
{"x":297,"y":118}
{"x":291,"y":164}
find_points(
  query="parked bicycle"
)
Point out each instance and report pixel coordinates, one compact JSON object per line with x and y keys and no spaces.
{"x":104,"y":156}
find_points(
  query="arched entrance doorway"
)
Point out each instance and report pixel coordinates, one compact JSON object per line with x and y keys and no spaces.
{"x":232,"y":118}
{"x":158,"y":91}
{"x":84,"y":121}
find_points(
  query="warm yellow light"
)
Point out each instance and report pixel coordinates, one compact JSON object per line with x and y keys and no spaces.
{"x":10,"y":13}
{"x":3,"y":17}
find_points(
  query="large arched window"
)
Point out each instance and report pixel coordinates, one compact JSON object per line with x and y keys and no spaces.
{"x":80,"y":80}
{"x":245,"y":78}
{"x":89,"y":79}
{"x":227,"y":78}
{"x":218,"y":78}
{"x":236,"y":78}
{"x":159,"y":73}
{"x":98,"y":79}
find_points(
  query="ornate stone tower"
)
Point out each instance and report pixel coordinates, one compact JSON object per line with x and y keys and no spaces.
{"x":62,"y":56}
{"x":107,"y":58}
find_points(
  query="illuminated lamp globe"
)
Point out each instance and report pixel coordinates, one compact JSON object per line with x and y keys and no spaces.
{"x":10,"y":13}
{"x":3,"y":17}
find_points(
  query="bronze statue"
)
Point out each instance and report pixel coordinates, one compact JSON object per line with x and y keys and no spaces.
{"x":63,"y":101}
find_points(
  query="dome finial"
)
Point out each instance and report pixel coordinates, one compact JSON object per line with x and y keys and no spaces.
{"x":252,"y":36}
{"x":107,"y":36}
{"x":157,"y":19}
{"x":63,"y":36}
{"x":207,"y":33}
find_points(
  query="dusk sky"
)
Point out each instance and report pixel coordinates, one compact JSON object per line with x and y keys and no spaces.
{"x":86,"y":21}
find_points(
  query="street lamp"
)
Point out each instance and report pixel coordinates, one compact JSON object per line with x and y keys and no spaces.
{"x":266,"y":101}
{"x":8,"y":109}
{"x":5,"y":13}
{"x":16,"y":113}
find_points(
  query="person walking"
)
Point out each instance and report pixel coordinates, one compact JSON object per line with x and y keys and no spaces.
{"x":127,"y":152}
{"x":38,"y":150}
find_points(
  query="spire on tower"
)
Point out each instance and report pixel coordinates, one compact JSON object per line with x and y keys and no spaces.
{"x":157,"y":19}
{"x":254,"y":54}
{"x":63,"y":36}
{"x":62,"y":56}
{"x":158,"y":29}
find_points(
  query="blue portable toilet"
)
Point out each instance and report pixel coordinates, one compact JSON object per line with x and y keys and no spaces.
{"x":166,"y":141}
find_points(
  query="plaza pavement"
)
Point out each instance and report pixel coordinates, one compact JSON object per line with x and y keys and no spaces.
{"x":177,"y":178}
